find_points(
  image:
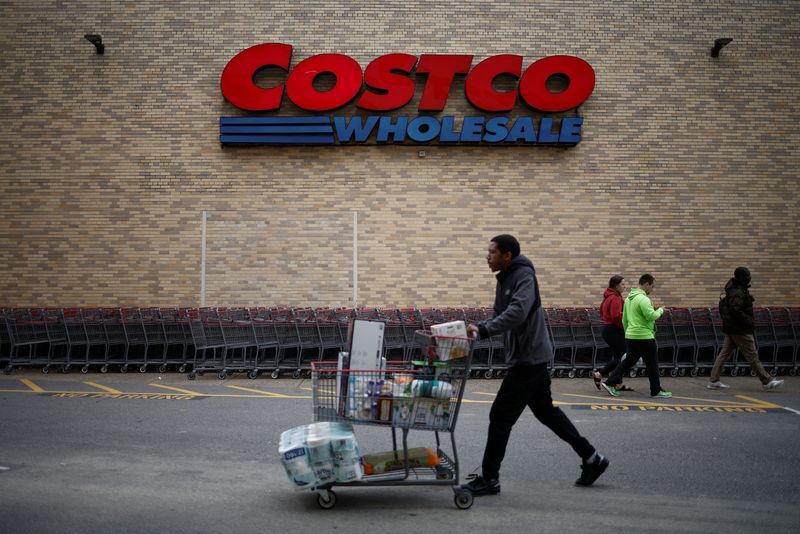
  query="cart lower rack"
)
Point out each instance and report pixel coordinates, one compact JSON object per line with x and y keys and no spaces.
{"x":422,"y":395}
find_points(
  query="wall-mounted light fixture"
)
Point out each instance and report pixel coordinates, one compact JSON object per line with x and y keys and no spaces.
{"x":97,"y":41}
{"x":718,"y":44}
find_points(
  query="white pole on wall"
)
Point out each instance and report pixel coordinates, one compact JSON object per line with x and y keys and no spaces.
{"x":355,"y":259}
{"x":203,"y":261}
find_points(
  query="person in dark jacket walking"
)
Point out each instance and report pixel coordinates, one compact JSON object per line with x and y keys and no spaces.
{"x":613,"y":331}
{"x":736,"y":310}
{"x":519,"y":316}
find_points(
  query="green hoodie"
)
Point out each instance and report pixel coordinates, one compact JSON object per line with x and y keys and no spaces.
{"x":638,"y":316}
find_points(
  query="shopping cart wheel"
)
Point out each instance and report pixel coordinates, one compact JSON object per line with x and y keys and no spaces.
{"x":571,"y":373}
{"x":673,"y":373}
{"x":463,"y":500}
{"x":488,"y":374}
{"x":772,"y":372}
{"x":252,"y":375}
{"x":793,"y":371}
{"x":65,"y":369}
{"x":104,"y":369}
{"x":694,"y":372}
{"x":552,"y":373}
{"x":162,"y":368}
{"x":222,"y":374}
{"x":275,"y":374}
{"x":443,"y":473}
{"x":682,"y":372}
{"x":296,"y":373}
{"x":85,"y":369}
{"x":124,"y":369}
{"x":326,"y":499}
{"x":8,"y":370}
{"x":191,"y":376}
{"x":143,"y":368}
{"x":45,"y":369}
{"x":182,"y":369}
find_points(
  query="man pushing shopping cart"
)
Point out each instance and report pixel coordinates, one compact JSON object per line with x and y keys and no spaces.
{"x":519,"y":317}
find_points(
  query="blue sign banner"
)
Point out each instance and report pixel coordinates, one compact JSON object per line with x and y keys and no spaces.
{"x":385,"y":129}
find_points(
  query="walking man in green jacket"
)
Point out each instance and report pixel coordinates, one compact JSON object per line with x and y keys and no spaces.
{"x":639,"y":320}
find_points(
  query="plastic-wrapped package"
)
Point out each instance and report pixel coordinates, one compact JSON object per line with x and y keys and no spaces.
{"x":320,"y":453}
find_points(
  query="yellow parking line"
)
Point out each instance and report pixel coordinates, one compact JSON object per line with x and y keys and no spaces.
{"x":31,"y":385}
{"x":179,"y":390}
{"x":482,"y":393}
{"x":620,"y":402}
{"x":616,"y":399}
{"x":265,"y":393}
{"x":104,"y":388}
{"x":715,"y":401}
{"x":761,"y":403}
{"x":182,"y":391}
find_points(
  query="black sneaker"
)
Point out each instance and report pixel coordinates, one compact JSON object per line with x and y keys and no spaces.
{"x":481,"y":486}
{"x":591,"y":472}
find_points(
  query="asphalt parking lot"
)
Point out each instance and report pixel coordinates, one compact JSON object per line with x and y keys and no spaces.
{"x":159,"y":453}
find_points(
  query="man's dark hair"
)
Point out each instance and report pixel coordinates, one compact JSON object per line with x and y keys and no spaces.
{"x":742,"y":274}
{"x":507,"y":243}
{"x":615,"y":280}
{"x":646,"y":278}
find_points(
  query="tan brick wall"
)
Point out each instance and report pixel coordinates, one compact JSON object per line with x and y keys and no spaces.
{"x":688,"y":166}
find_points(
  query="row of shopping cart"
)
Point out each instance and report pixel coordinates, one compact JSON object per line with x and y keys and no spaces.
{"x":285,"y":340}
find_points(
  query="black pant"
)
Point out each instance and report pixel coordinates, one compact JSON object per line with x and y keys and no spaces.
{"x":645,"y":349}
{"x":614,"y":337}
{"x":526,"y":386}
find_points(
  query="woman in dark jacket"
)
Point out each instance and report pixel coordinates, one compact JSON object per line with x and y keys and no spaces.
{"x":613,"y":332}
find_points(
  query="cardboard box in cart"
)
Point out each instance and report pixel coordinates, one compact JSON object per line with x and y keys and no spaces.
{"x":366,"y":345}
{"x":365,"y":359}
{"x":451,"y":342}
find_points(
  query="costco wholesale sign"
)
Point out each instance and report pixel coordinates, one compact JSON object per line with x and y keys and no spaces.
{"x":388,"y":84}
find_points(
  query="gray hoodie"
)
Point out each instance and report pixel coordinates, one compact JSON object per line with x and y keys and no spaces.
{"x":519,"y":316}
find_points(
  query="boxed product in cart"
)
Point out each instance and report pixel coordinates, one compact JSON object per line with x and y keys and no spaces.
{"x":385,"y":462}
{"x":451,"y":340}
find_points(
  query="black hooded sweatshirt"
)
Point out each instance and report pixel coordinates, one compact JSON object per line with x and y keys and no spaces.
{"x":737,"y":314}
{"x":519,"y":316}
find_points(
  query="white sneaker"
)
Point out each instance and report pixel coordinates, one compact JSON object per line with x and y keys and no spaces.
{"x":717,"y":385}
{"x":772,"y":384}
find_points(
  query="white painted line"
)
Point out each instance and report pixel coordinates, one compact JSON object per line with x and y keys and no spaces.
{"x":791,"y":410}
{"x":2,"y":468}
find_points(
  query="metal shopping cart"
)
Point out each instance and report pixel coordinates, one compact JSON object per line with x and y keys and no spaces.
{"x":422,"y":395}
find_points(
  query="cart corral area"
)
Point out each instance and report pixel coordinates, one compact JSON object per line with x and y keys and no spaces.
{"x":145,"y":453}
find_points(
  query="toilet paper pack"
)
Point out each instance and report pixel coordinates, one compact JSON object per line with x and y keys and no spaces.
{"x":320,"y":453}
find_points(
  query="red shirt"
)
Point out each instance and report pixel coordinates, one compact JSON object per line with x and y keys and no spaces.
{"x":611,"y":308}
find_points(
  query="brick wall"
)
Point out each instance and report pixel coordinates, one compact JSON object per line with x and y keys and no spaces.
{"x":688,"y":166}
